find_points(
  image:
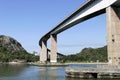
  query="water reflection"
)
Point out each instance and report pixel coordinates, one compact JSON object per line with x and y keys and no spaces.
{"x":19,"y":72}
{"x":29,"y":72}
{"x":11,"y":70}
{"x":52,"y":73}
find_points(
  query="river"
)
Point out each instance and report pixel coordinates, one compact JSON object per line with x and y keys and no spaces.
{"x":29,"y":72}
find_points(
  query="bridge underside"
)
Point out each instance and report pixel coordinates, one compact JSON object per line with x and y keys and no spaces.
{"x":90,"y":9}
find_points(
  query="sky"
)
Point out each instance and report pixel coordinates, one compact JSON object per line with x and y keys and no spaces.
{"x":28,"y":20}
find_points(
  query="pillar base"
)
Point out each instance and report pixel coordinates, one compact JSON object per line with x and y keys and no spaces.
{"x":53,"y":61}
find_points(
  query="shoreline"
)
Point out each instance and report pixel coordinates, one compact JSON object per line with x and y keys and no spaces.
{"x":50,"y":64}
{"x":86,"y":63}
{"x":15,"y":63}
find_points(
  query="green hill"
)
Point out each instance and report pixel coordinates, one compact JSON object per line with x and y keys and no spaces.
{"x":12,"y":50}
{"x":88,"y":55}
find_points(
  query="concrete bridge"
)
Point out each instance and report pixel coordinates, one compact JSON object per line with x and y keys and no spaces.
{"x":90,"y":9}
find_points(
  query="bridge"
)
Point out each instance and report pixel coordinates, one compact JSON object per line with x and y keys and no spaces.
{"x":90,"y":9}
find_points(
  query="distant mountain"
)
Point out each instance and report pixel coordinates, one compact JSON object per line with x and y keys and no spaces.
{"x":88,"y":55}
{"x":12,"y":50}
{"x":93,"y":54}
{"x":10,"y":43}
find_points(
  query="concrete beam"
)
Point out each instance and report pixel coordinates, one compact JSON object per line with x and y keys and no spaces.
{"x":43,"y":54}
{"x":91,"y":9}
{"x":53,"y":55}
{"x":113,"y":35}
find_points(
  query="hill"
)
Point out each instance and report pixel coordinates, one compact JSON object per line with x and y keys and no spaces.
{"x":88,"y":55}
{"x":12,"y":50}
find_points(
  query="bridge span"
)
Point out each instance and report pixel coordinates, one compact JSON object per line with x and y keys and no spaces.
{"x":90,"y":9}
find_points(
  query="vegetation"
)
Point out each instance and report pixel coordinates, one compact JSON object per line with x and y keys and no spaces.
{"x":87,"y":55}
{"x":8,"y":55}
{"x":12,"y":50}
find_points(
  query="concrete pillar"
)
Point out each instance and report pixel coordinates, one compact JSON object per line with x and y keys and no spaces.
{"x":53,"y":56}
{"x":43,"y":54}
{"x":113,"y":35}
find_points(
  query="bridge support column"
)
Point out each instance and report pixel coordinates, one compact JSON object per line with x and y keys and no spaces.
{"x":113,"y":35}
{"x":43,"y":54}
{"x":53,"y":55}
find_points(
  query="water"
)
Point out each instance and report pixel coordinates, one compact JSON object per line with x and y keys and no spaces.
{"x":29,"y":72}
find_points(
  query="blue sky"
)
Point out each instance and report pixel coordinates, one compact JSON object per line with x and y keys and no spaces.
{"x":28,"y":20}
